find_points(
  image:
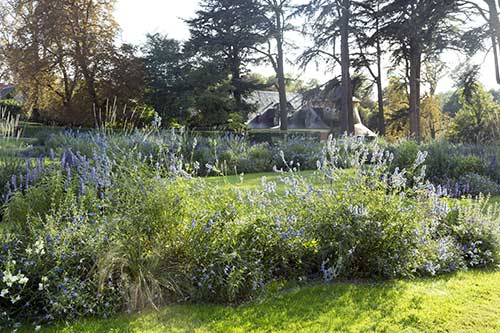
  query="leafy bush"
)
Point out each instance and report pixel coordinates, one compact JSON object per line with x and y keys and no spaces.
{"x":466,"y":164}
{"x":11,"y":106}
{"x":405,"y":153}
{"x":9,"y":165}
{"x":453,"y":165}
{"x":476,"y":184}
{"x":299,"y":151}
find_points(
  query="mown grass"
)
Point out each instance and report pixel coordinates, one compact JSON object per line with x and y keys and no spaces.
{"x":253,"y":181}
{"x":463,"y":302}
{"x":11,"y":147}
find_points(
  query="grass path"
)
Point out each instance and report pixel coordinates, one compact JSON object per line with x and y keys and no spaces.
{"x":464,"y":302}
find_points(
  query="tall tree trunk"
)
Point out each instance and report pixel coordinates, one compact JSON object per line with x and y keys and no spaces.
{"x":90,"y":84}
{"x":380,"y":90}
{"x":281,"y":73}
{"x":236,"y":83}
{"x":494,"y":24}
{"x":88,"y":75}
{"x":415,"y":70}
{"x":347,"y":117}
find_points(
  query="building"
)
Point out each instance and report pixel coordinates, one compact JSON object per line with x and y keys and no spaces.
{"x":317,"y":109}
{"x":6,"y":90}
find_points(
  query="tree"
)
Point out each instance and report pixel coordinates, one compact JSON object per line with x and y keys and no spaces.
{"x":397,"y":107}
{"x":58,"y":48}
{"x":124,"y":86}
{"x":369,"y":42}
{"x":478,"y":121}
{"x":433,"y":118}
{"x":167,"y":68}
{"x":490,"y":31}
{"x":126,"y":76}
{"x":416,"y":29}
{"x":331,"y":22}
{"x":450,"y":103}
{"x":434,"y":121}
{"x":91,"y":31}
{"x":231,"y":30}
{"x":277,"y":15}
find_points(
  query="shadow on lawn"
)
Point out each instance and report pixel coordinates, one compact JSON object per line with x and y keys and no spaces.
{"x":457,"y":302}
{"x":339,"y":308}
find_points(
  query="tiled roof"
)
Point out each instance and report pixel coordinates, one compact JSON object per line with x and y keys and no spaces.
{"x":5,"y":89}
{"x":267,"y":99}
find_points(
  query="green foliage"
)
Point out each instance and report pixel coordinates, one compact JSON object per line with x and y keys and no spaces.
{"x":461,"y":168}
{"x":166,"y":68}
{"x":9,"y":165}
{"x":229,"y":30}
{"x":479,"y":118}
{"x":480,"y":184}
{"x":451,"y":103}
{"x":448,"y":303}
{"x":11,"y":106}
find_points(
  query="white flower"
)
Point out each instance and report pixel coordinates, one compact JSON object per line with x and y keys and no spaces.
{"x":40,"y":286}
{"x":45,"y":279}
{"x":9,"y":279}
{"x":37,"y":328}
{"x":15,"y":299}
{"x":23,"y":279}
{"x":39,"y":247}
{"x":4,"y":293}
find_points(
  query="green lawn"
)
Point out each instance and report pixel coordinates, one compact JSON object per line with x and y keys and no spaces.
{"x":11,"y":147}
{"x":495,"y":200}
{"x":464,"y":302}
{"x":253,"y":181}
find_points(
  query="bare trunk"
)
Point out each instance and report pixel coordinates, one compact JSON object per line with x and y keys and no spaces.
{"x":236,"y":82}
{"x":494,"y":24}
{"x":415,"y":69}
{"x":88,"y":76}
{"x":347,"y":117}
{"x":380,"y":90}
{"x":281,"y":74}
{"x":432,"y":127}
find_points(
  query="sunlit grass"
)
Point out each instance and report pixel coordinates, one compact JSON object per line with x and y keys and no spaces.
{"x":463,"y":302}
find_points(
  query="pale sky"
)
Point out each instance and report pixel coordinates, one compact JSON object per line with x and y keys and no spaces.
{"x":139,"y":17}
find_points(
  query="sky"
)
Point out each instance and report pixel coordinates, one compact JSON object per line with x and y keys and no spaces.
{"x":139,"y":17}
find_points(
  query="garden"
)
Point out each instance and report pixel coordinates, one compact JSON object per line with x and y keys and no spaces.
{"x":100,"y":223}
{"x":249,"y":166}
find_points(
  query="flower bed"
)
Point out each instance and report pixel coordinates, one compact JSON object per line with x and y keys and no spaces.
{"x":124,"y":225}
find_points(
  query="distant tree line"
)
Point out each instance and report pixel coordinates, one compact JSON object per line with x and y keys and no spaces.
{"x":63,"y":57}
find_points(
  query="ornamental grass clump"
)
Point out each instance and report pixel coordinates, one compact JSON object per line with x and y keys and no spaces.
{"x":128,"y":226}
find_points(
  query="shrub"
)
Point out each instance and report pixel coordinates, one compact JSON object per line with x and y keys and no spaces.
{"x":451,"y":164}
{"x":466,"y":164}
{"x":11,"y":106}
{"x":475,"y":184}
{"x":299,"y":151}
{"x":9,"y":165}
{"x":405,"y":153}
